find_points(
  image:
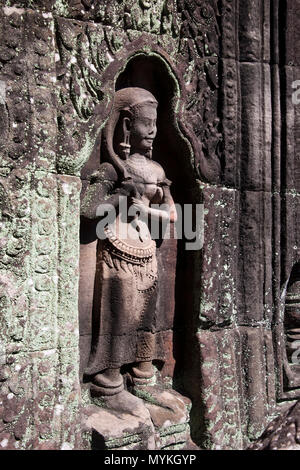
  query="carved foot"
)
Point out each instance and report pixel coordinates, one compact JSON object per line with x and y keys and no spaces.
{"x":119,"y":422}
{"x":143,"y":374}
{"x":155,"y":395}
{"x":122,"y":402}
{"x":169,"y":414}
{"x":107,"y":383}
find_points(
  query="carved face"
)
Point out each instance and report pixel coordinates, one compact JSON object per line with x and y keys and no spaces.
{"x":143,"y":129}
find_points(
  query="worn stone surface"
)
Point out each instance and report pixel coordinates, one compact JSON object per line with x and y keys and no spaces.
{"x":217,"y":288}
{"x":169,"y":413}
{"x":118,"y":427}
{"x":230,"y":68}
{"x":255,"y":259}
{"x":282,"y":433}
{"x":158,"y":419}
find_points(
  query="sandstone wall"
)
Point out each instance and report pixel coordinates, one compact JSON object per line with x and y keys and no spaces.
{"x":232,"y":64}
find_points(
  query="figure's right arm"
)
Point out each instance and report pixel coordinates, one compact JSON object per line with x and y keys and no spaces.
{"x":99,"y":192}
{"x":104,"y":190}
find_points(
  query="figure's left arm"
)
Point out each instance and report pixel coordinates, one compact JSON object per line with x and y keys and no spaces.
{"x":168,"y":200}
{"x":170,"y":212}
{"x":167,"y":213}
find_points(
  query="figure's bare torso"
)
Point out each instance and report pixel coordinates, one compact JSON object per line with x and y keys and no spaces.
{"x":147,"y":175}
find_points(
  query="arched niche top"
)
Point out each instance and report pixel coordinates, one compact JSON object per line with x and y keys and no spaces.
{"x":151,"y":71}
{"x":76,"y":142}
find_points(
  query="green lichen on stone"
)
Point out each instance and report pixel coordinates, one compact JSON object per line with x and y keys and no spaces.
{"x":61,"y":7}
{"x":125,"y":440}
{"x":173,"y":429}
{"x":146,"y":395}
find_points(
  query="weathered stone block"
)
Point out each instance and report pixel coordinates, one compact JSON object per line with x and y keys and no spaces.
{"x":254,"y":30}
{"x":231,"y":122}
{"x":229,"y":20}
{"x":291,"y":33}
{"x":68,"y":214}
{"x":112,"y":430}
{"x":41,"y":329}
{"x":237,"y":393}
{"x":217,"y":401}
{"x":30,"y":132}
{"x":256,"y":127}
{"x":258,"y":384}
{"x":281,"y":434}
{"x":254,"y":291}
{"x":169,"y":414}
{"x":220,"y":249}
{"x":70,"y":398}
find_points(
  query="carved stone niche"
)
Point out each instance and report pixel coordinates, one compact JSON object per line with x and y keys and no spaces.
{"x":289,"y":339}
{"x":150,"y":415}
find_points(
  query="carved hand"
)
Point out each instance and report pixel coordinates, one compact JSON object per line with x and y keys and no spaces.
{"x":145,"y":210}
{"x":139,"y":206}
{"x":129,"y":187}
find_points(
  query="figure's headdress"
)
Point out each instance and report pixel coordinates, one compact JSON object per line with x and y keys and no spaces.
{"x":127,"y":99}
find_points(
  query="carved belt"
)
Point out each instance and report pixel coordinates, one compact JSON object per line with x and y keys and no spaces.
{"x":126,"y":252}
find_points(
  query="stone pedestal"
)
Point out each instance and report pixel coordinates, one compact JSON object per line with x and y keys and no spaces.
{"x":154,"y":419}
{"x":106,"y":429}
{"x":169,"y":414}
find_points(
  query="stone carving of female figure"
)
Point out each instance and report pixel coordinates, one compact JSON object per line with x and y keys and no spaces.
{"x":125,"y":326}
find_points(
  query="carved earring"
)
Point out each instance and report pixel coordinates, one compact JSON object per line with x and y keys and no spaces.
{"x":125,"y":145}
